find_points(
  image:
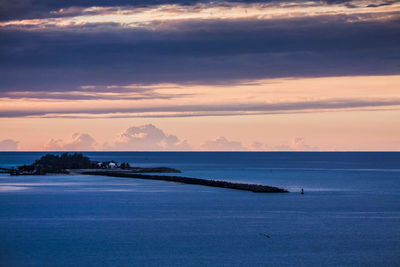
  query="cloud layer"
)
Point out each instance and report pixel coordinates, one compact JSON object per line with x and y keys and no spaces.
{"x":8,"y":145}
{"x":196,"y":42}
{"x":136,"y":138}
{"x":89,"y":59}
{"x":227,"y":109}
{"x":222,"y":144}
{"x":78,"y":142}
{"x":148,"y":137}
{"x":296,"y":144}
{"x":151,"y":138}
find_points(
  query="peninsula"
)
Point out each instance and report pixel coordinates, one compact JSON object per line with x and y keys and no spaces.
{"x":80,"y":164}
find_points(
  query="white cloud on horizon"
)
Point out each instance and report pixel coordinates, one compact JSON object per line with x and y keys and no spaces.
{"x":299,"y":143}
{"x":82,"y":142}
{"x":148,"y":137}
{"x":223,"y":144}
{"x":296,"y":144}
{"x":151,"y":138}
{"x":8,"y":145}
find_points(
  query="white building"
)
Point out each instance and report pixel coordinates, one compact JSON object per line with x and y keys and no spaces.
{"x":112,"y":165}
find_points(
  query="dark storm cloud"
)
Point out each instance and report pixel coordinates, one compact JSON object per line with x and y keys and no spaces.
{"x":49,"y":61}
{"x":197,"y":52}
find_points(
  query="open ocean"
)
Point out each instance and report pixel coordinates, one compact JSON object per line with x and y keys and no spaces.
{"x":349,"y":215}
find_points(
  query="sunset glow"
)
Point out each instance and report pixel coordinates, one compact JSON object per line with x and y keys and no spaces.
{"x":259,"y":76}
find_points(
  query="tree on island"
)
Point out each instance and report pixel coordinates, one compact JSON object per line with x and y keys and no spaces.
{"x":50,"y":163}
{"x":65,"y":161}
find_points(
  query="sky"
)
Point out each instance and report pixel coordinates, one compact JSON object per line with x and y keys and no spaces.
{"x":199,"y":75}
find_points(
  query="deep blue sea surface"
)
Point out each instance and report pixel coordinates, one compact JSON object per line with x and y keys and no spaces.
{"x":349,"y":215}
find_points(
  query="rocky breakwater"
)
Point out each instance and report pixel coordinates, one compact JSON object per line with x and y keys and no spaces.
{"x":196,"y":181}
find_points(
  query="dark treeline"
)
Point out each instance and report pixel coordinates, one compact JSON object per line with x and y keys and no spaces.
{"x":58,"y":164}
{"x":51,"y":163}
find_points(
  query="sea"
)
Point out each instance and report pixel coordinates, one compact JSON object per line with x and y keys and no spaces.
{"x":348,"y":216}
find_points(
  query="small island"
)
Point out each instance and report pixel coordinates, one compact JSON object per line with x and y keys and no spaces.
{"x":77,"y":163}
{"x":74,"y":163}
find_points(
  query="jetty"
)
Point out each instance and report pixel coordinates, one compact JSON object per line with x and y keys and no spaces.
{"x":188,"y":180}
{"x":77,"y":163}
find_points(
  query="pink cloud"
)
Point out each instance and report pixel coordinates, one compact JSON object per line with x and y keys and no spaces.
{"x":82,"y":142}
{"x":223,"y":144}
{"x":8,"y":145}
{"x":148,"y":137}
{"x":296,"y":144}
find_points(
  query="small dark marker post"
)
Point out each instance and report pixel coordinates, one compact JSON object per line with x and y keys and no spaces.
{"x":302,"y":191}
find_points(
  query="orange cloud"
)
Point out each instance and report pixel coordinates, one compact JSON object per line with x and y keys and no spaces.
{"x":265,"y":96}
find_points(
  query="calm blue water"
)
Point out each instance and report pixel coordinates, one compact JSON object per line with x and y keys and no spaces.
{"x":349,"y":216}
